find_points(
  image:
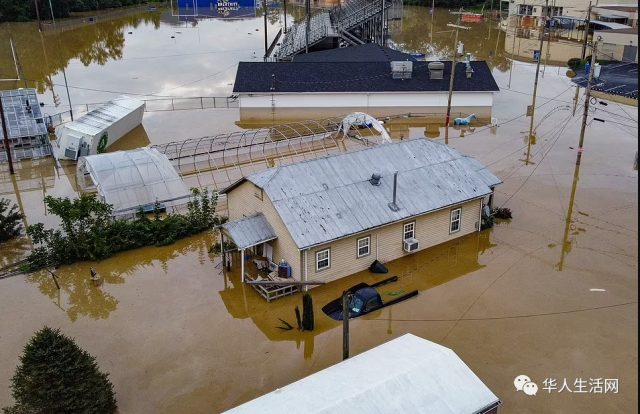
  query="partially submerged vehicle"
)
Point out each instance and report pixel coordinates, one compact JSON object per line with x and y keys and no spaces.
{"x":364,"y":299}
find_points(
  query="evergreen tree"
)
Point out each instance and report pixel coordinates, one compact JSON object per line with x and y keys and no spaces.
{"x":10,"y":221}
{"x":55,"y":376}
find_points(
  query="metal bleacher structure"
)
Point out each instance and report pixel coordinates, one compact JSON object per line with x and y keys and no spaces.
{"x":352,"y":23}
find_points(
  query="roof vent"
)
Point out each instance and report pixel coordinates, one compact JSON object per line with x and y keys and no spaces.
{"x":402,"y":70}
{"x":436,"y":70}
{"x":375,"y":179}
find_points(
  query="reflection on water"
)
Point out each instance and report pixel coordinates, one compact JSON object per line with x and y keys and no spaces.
{"x":137,"y":138}
{"x":419,"y":33}
{"x":420,"y":271}
{"x":80,"y":296}
{"x":571,"y":230}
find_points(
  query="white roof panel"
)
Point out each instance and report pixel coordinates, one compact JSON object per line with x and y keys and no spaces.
{"x":101,"y":118}
{"x":408,"y":375}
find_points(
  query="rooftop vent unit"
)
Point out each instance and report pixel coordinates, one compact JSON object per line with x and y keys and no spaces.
{"x":436,"y":70}
{"x":375,"y":179}
{"x":402,"y":70}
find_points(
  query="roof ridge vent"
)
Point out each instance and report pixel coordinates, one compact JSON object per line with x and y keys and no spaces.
{"x":436,"y":70}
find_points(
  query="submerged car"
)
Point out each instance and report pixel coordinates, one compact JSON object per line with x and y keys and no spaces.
{"x":363,"y":299}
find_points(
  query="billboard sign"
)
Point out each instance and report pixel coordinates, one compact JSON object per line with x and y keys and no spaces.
{"x":217,"y":9}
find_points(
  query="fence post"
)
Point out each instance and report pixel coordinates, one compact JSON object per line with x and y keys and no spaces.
{"x":214,"y":102}
{"x":173,"y":108}
{"x":201,"y":103}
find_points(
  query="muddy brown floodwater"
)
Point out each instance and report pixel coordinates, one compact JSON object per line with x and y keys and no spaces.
{"x":180,"y":336}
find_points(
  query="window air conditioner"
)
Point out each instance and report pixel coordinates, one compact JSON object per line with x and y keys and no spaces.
{"x":411,"y":245}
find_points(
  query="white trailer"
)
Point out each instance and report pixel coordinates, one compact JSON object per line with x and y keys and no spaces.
{"x":96,"y":131}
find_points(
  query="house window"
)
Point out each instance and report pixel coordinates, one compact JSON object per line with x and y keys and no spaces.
{"x":364,"y":246}
{"x":323,"y":260}
{"x":409,"y":230}
{"x":456,"y":220}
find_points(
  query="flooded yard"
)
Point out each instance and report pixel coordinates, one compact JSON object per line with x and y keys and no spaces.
{"x":552,"y":293}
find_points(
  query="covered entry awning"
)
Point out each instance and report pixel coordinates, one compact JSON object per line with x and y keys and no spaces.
{"x":250,"y":231}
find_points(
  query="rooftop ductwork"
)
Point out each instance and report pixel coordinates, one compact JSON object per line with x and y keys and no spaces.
{"x":436,"y":70}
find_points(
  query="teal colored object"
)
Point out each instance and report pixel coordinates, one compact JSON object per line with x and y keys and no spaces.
{"x":395,"y":293}
{"x":465,"y":121}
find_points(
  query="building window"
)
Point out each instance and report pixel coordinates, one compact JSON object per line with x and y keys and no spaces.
{"x":456,"y":220}
{"x":323,"y":260}
{"x":364,"y":246}
{"x":409,"y":230}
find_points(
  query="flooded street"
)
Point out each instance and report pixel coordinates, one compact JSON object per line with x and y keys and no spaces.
{"x":180,"y":336}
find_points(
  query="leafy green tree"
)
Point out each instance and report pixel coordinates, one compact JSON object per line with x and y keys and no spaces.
{"x":56,"y":376}
{"x":89,"y":232}
{"x":10,"y":221}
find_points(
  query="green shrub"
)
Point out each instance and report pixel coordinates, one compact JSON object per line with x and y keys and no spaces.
{"x":10,"y":221}
{"x":503,"y":213}
{"x":56,"y":376}
{"x":89,"y":233}
{"x":574,"y":63}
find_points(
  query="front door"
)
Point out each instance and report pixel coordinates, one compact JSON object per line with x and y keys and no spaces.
{"x":630,"y":53}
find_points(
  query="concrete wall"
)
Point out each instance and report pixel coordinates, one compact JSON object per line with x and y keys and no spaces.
{"x":612,"y":45}
{"x":387,"y":242}
{"x":242,"y":202}
{"x":416,"y":100}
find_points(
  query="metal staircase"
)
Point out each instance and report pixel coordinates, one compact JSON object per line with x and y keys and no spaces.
{"x":338,"y":22}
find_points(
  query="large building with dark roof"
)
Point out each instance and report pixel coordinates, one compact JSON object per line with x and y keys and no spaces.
{"x":368,"y":78}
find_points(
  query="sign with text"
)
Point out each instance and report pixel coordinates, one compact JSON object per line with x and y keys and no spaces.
{"x":217,"y":9}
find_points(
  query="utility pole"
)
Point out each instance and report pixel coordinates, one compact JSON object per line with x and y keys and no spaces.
{"x":308,"y":10}
{"x":584,"y":55}
{"x":513,"y":49}
{"x":64,"y":72}
{"x":38,"y":16}
{"x":546,"y":56}
{"x":587,"y":103}
{"x":285,"y":15}
{"x":266,"y":41}
{"x":453,"y":65}
{"x":345,"y":325}
{"x":7,"y":143}
{"x":535,"y":88}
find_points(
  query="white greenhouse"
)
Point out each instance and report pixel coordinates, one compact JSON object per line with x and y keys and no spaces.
{"x":131,"y":180}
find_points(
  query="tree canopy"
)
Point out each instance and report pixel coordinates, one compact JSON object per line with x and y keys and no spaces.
{"x":56,"y":376}
{"x":25,"y":10}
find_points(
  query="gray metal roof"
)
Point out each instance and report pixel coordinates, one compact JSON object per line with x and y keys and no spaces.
{"x":23,"y":122}
{"x":250,"y":231}
{"x":408,"y":375}
{"x":330,"y":198}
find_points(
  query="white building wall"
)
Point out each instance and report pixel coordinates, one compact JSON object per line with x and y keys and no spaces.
{"x":366,"y":100}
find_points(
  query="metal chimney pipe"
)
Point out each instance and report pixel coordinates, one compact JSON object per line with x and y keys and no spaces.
{"x":395,"y":186}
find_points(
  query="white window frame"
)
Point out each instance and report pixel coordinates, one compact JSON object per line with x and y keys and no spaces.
{"x":366,"y":239}
{"x":412,"y":231}
{"x":457,"y":220}
{"x":319,"y":260}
